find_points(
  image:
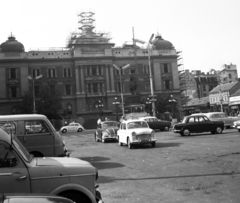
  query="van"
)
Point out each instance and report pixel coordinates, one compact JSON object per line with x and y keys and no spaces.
{"x":37,"y":134}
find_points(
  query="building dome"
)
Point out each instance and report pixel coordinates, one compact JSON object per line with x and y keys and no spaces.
{"x":159,"y":43}
{"x":11,"y":45}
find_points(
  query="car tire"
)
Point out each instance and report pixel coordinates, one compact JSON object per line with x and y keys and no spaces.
{"x":129,"y":144}
{"x":238,"y":130}
{"x":119,"y":143}
{"x":64,"y":131}
{"x":153,"y":144}
{"x":186,"y":132}
{"x":218,"y":130}
{"x":80,"y":129}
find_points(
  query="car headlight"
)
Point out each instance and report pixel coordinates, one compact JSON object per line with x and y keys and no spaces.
{"x":152,"y":134}
{"x":134,"y":135}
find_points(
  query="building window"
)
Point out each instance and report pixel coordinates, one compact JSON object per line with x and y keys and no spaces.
{"x":165,"y":68}
{"x":35,"y":72}
{"x":67,"y":72}
{"x":68,"y":89}
{"x":147,"y":86}
{"x":13,"y":73}
{"x":204,"y":88}
{"x":132,"y":71}
{"x":52,"y":88}
{"x":145,"y":69}
{"x":230,"y":76}
{"x":93,"y":70}
{"x":95,"y":88}
{"x":13,"y":92}
{"x":52,"y":73}
{"x":167,"y":84}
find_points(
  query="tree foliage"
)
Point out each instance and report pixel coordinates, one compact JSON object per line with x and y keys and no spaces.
{"x":47,"y":102}
{"x":163,"y":105}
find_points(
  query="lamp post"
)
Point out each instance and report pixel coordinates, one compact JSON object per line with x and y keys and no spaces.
{"x":116,"y":102}
{"x":121,"y":89}
{"x":172,"y":101}
{"x":33,"y":79}
{"x":100,"y":106}
{"x":151,"y":77}
{"x":147,"y":103}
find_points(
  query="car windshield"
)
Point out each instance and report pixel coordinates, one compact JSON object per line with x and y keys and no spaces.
{"x":106,"y":125}
{"x":22,"y":150}
{"x":184,"y":120}
{"x":137,"y":124}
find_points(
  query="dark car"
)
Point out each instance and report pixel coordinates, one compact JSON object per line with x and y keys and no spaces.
{"x":36,"y":198}
{"x":156,"y":124}
{"x":198,"y":124}
{"x":107,"y":130}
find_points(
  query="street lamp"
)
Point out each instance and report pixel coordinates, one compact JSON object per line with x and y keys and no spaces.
{"x":151,"y":77}
{"x":116,"y":102}
{"x":147,"y":103}
{"x":121,"y":89}
{"x":172,"y":101}
{"x":33,"y":79}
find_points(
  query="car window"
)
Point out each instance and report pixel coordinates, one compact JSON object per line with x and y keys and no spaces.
{"x":71,"y":124}
{"x":205,"y":118}
{"x":35,"y":127}
{"x":9,"y":127}
{"x":191,"y":120}
{"x":137,"y":124}
{"x":124,"y":126}
{"x":201,"y":119}
{"x":154,"y":119}
{"x":7,"y":158}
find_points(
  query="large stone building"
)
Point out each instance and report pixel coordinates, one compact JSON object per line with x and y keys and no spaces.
{"x":84,"y":72}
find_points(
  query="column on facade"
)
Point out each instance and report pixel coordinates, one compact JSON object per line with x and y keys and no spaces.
{"x":112,"y":78}
{"x":77,"y":79}
{"x":107,"y":77}
{"x":82,"y":80}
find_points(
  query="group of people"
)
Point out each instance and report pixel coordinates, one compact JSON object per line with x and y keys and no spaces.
{"x":101,"y":119}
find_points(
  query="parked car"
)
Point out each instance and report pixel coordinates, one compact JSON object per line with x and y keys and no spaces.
{"x":26,"y":198}
{"x":236,"y":124}
{"x":107,"y":130}
{"x":157,"y":124}
{"x":221,"y":116}
{"x":198,"y":124}
{"x":72,"y":127}
{"x":37,"y":134}
{"x":135,"y":132}
{"x":20,"y":172}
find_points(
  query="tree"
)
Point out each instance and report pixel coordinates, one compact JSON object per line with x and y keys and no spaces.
{"x":133,"y":85}
{"x":48,"y":102}
{"x":162,"y":103}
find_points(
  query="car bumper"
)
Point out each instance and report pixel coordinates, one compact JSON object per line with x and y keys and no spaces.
{"x":66,"y":153}
{"x":236,"y":126}
{"x":176,"y":131}
{"x":98,"y":195}
{"x":143,"y":141}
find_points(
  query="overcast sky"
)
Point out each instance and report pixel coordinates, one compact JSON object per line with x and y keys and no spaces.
{"x":207,"y":31}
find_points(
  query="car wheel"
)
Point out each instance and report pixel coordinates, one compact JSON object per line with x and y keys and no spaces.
{"x":119,"y":143}
{"x":64,"y":131}
{"x":218,"y":130}
{"x":238,"y":130}
{"x":166,"y":128}
{"x":129,"y":144}
{"x":186,"y":132}
{"x":153,"y":144}
{"x":80,"y":129}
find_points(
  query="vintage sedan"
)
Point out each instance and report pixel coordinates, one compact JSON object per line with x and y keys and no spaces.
{"x":72,"y":127}
{"x":236,"y":124}
{"x":106,"y":131}
{"x":20,"y":172}
{"x":35,"y":198}
{"x":198,"y":124}
{"x":157,"y":124}
{"x":135,"y":132}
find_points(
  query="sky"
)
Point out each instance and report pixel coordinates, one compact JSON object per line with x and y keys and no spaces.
{"x":206,"y":31}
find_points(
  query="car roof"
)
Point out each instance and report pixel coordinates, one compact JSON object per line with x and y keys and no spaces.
{"x":148,"y":117}
{"x":21,"y":117}
{"x":133,"y":120}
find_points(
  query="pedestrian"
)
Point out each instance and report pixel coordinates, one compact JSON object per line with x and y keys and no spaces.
{"x":99,"y":121}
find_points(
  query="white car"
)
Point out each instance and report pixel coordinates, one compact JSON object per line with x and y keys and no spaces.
{"x":72,"y":127}
{"x":135,"y":132}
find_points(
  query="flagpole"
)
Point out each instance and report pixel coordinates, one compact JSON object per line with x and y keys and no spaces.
{"x":134,"y":45}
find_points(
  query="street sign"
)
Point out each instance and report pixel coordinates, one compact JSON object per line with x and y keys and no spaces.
{"x":153,"y":100}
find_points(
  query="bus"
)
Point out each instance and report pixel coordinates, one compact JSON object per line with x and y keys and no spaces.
{"x":134,"y":111}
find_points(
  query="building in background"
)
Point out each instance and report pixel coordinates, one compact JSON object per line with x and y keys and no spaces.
{"x":228,"y":74}
{"x":83,"y":71}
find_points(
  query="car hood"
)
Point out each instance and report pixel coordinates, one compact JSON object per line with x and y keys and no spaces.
{"x":111,"y":130}
{"x":53,"y":167}
{"x":142,"y":130}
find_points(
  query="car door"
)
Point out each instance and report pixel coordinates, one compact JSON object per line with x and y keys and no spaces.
{"x":205,"y":124}
{"x":193,"y":124}
{"x":38,"y":137}
{"x":122,"y":133}
{"x":14,"y":177}
{"x":156,"y":123}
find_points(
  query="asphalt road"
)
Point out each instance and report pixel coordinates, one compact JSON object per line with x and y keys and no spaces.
{"x":200,"y":168}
